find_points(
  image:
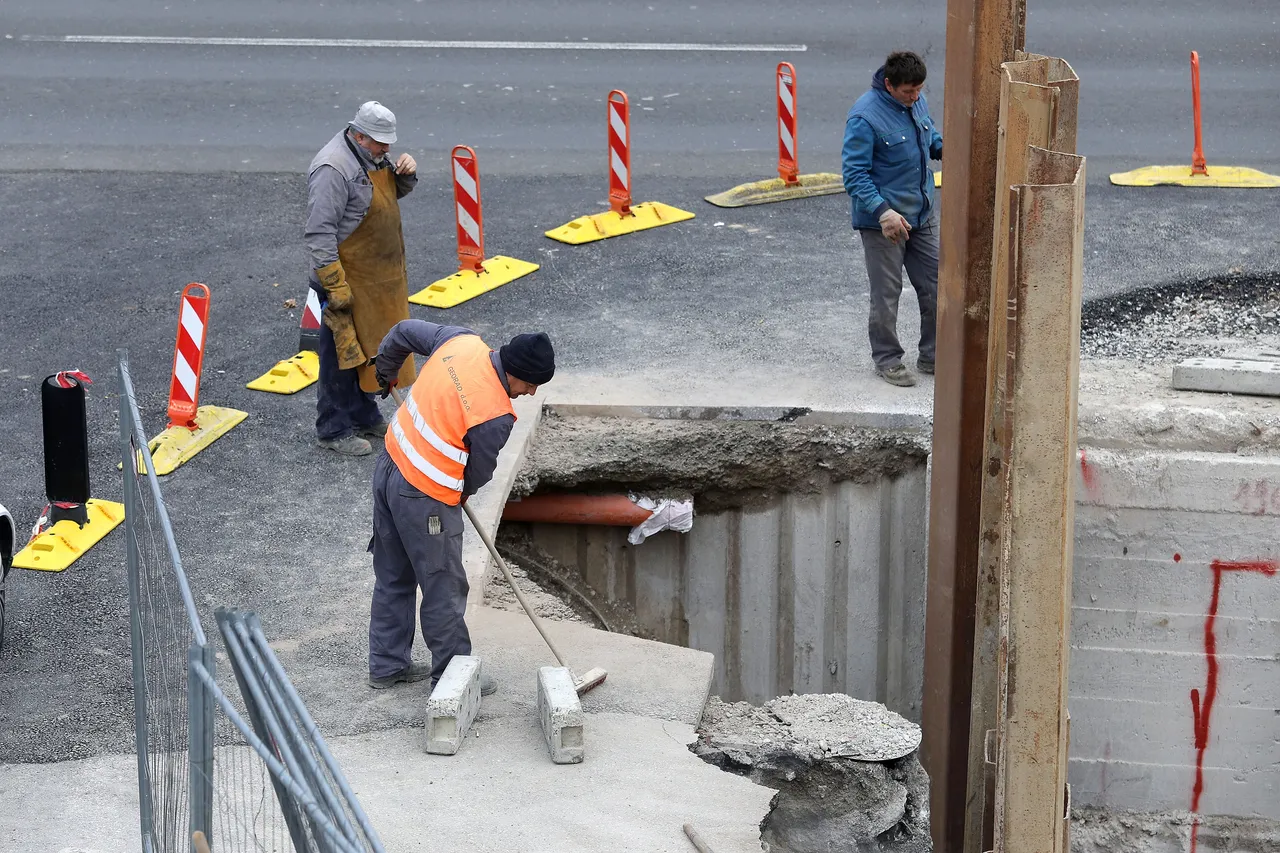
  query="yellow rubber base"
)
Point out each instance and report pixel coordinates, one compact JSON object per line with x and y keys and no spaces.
{"x":466,"y":284}
{"x":289,"y":376}
{"x":1235,"y":177}
{"x":775,"y":189}
{"x":177,"y":445}
{"x":65,"y":542}
{"x":588,"y":229}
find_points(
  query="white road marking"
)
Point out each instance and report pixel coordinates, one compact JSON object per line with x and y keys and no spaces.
{"x":421,"y":44}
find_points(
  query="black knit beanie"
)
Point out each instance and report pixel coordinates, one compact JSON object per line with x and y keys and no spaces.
{"x":529,"y":358}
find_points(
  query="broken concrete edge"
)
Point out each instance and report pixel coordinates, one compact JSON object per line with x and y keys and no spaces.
{"x":560,"y":711}
{"x":826,"y":798}
{"x":453,"y":705}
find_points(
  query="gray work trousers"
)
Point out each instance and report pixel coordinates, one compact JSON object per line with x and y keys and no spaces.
{"x":885,"y":260}
{"x":408,"y":555}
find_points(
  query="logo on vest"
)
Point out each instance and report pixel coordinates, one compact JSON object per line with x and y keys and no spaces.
{"x":457,"y":384}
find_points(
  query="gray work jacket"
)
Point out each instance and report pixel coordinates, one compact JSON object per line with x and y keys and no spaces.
{"x":338,"y":196}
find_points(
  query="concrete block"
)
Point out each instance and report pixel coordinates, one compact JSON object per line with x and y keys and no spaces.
{"x":1228,"y":376}
{"x":561,"y":713}
{"x":453,"y":705}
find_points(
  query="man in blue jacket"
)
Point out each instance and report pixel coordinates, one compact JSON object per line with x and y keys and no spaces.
{"x":889,"y":140}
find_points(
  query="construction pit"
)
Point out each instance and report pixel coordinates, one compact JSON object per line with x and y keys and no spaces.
{"x":804,"y":574}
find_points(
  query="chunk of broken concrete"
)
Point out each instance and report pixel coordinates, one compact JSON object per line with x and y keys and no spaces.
{"x":846,"y":771}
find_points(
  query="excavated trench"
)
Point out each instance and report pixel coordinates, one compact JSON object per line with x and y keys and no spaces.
{"x":803,"y":573}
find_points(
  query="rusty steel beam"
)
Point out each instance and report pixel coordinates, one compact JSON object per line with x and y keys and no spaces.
{"x":1046,"y":262}
{"x":981,"y":34}
{"x":1038,"y":96}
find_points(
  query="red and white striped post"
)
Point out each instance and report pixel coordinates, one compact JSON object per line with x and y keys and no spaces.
{"x":466,"y":201}
{"x":788,"y":169}
{"x":309,"y":330}
{"x":619,"y":153}
{"x":188,"y":356}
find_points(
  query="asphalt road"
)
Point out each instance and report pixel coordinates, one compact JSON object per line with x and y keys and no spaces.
{"x":131,"y":170}
{"x":202,"y":108}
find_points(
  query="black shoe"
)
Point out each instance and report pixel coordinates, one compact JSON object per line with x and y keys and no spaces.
{"x":897,"y":375}
{"x":488,"y":686}
{"x":925,"y":366}
{"x":415,"y":672}
{"x":375,"y":431}
{"x":348,"y":445}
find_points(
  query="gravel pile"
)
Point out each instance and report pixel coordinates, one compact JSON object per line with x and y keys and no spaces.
{"x":1173,"y":322}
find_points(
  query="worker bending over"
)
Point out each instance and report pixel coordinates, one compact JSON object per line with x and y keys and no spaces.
{"x":441,"y":448}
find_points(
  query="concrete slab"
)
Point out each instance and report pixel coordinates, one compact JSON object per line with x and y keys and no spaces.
{"x":1228,"y":376}
{"x":645,"y":678}
{"x":453,"y":705}
{"x":500,"y":794}
{"x":560,"y":712}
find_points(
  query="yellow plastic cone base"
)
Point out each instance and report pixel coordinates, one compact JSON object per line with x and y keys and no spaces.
{"x":1236,"y":177}
{"x":588,"y":229}
{"x":177,"y":445}
{"x":775,"y":189}
{"x":289,"y":376}
{"x":466,"y":284}
{"x":65,"y":542}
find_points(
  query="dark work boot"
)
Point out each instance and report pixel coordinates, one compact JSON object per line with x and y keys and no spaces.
{"x":348,"y":445}
{"x":415,"y":672}
{"x":376,"y":431}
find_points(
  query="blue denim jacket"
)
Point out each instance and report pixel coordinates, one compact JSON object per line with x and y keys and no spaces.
{"x":887,"y":148}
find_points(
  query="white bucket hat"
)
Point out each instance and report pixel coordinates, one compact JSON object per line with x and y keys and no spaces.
{"x":375,"y":121}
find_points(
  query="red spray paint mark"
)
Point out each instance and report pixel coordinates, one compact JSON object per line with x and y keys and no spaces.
{"x":1088,"y":474}
{"x":1177,"y":558}
{"x":1202,"y":704}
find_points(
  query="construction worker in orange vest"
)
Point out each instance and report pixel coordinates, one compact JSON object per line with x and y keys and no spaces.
{"x":442,"y":446}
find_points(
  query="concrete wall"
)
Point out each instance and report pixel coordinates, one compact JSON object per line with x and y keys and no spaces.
{"x":825,"y":593}
{"x":810,"y":593}
{"x":1149,"y":527}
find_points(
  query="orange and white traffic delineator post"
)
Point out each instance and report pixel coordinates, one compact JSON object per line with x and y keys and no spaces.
{"x":297,"y":372}
{"x":192,"y":427}
{"x":1199,"y":173}
{"x":476,"y":274}
{"x":790,"y":183}
{"x":623,"y":217}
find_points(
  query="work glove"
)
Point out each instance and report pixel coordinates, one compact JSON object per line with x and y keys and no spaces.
{"x":334,"y":281}
{"x":350,"y":353}
{"x":894,"y":226}
{"x":384,"y":384}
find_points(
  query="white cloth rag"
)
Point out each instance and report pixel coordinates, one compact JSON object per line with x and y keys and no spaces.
{"x":667,"y":514}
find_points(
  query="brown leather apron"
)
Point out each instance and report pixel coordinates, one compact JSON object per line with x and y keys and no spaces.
{"x":373,"y":260}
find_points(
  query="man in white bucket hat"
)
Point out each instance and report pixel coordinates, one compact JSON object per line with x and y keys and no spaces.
{"x":356,"y":244}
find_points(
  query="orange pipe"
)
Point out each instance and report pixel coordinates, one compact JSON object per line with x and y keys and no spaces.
{"x":1198,"y":166}
{"x":609,"y":510}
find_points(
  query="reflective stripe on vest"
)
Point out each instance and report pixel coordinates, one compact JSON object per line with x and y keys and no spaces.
{"x":457,"y":389}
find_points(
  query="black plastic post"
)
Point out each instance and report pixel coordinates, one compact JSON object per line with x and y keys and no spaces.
{"x":66,"y":449}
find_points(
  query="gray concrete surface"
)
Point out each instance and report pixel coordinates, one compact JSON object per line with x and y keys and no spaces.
{"x":453,"y":705}
{"x":560,"y":713}
{"x":500,"y":793}
{"x":1228,"y":376}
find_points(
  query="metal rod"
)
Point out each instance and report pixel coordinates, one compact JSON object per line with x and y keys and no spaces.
{"x":129,"y":457}
{"x":313,"y":731}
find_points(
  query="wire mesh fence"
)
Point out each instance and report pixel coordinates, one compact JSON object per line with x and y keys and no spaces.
{"x":244,"y":768}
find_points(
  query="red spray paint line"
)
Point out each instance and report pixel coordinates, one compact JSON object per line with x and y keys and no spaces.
{"x":1202,"y":706}
{"x":1088,"y":475}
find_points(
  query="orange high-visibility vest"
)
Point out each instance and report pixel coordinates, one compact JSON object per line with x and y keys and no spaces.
{"x":456,"y":390}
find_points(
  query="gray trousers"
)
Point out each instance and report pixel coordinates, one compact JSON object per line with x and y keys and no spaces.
{"x":885,"y":260}
{"x":407,"y":554}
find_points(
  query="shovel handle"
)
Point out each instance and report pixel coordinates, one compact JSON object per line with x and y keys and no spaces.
{"x":502,"y":564}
